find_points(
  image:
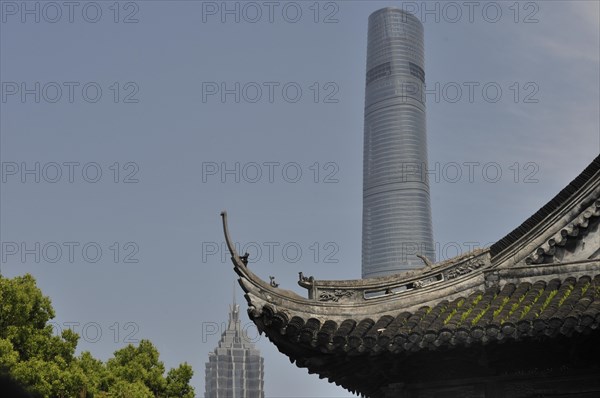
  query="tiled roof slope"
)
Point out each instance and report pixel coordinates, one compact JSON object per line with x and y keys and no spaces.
{"x":537,"y":287}
{"x":548,"y":208}
{"x":512,"y":312}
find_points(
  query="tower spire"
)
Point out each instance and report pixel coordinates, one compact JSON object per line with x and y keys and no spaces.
{"x":233,"y":309}
{"x":233,"y":293}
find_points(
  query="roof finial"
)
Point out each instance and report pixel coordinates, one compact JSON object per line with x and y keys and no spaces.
{"x":425,"y":260}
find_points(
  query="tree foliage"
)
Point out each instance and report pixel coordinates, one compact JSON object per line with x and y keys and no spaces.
{"x":178,"y":382}
{"x":46,"y":364}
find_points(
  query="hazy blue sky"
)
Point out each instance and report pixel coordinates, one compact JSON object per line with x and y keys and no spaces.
{"x":141,"y":103}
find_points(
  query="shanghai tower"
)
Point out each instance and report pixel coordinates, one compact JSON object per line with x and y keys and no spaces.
{"x":396,"y":204}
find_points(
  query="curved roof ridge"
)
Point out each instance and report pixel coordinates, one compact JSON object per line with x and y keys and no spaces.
{"x":565,"y":194}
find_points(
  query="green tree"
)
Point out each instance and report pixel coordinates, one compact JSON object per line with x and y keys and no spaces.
{"x":44,"y":361}
{"x":127,"y":389}
{"x":139,"y":363}
{"x":33,"y":356}
{"x":178,"y":382}
{"x":8,"y":356}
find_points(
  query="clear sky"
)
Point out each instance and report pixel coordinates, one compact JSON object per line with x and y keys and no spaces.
{"x":127,"y":127}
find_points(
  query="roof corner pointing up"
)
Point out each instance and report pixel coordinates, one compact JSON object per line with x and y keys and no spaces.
{"x":588,"y":179}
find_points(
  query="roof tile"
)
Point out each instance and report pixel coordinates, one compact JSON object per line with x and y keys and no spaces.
{"x":513,"y":312}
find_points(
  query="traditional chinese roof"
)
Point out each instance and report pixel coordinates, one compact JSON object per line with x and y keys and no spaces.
{"x":539,"y":283}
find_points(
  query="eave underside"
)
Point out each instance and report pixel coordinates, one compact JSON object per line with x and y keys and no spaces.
{"x":363,"y":355}
{"x":529,"y":302}
{"x":528,"y":359}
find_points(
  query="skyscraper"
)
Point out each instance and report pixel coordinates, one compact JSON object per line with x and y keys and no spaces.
{"x":396,"y":204}
{"x":235,"y":369}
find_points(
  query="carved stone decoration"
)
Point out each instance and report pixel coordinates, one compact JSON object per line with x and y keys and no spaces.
{"x":424,"y":282}
{"x":425,"y":260}
{"x":464,"y":268}
{"x":492,"y":279}
{"x":552,"y":250}
{"x":272,"y":282}
{"x":305,"y":280}
{"x":419,"y":284}
{"x":335,"y":295}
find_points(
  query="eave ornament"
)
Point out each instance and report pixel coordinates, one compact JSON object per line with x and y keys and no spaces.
{"x":335,"y":295}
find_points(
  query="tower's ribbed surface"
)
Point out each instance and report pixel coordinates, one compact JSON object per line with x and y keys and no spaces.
{"x":396,"y":203}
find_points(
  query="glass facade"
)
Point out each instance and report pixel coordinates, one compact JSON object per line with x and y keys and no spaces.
{"x":235,"y":369}
{"x":396,"y":203}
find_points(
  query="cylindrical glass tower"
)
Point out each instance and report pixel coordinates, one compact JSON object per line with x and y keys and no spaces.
{"x":396,"y":204}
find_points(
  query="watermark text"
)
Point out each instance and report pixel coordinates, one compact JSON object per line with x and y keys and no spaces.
{"x":270,"y":172}
{"x":68,"y":252}
{"x":69,"y":172}
{"x":273,"y":252}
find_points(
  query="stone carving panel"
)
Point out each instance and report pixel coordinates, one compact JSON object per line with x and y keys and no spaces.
{"x":335,"y":295}
{"x":465,"y":268}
